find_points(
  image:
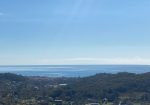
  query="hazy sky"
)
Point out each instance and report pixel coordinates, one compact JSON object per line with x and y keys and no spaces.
{"x":74,"y":32}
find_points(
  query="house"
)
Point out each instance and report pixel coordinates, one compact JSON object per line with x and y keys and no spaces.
{"x":58,"y":102}
{"x":63,"y":84}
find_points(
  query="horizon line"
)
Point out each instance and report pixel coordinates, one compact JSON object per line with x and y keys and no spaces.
{"x":75,"y":65}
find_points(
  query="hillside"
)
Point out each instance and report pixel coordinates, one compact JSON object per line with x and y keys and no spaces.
{"x":127,"y":88}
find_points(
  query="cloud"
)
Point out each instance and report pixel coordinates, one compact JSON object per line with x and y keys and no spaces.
{"x":134,"y":60}
{"x":80,"y":60}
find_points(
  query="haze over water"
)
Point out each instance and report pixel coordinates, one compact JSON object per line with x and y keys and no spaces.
{"x":72,"y":70}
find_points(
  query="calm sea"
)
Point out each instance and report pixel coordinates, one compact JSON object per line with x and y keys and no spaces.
{"x":72,"y":70}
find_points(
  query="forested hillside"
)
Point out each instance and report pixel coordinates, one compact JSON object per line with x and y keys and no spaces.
{"x":124,"y":88}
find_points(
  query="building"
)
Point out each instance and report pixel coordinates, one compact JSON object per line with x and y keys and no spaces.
{"x":92,"y":104}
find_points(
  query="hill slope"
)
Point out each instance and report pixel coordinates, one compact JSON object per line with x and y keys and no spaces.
{"x":126,"y":87}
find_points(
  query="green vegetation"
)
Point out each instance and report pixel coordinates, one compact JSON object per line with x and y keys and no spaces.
{"x":111,"y":89}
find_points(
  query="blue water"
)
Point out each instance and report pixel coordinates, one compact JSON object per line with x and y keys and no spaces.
{"x":72,"y":70}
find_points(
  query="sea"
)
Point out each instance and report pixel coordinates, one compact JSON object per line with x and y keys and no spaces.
{"x":72,"y":70}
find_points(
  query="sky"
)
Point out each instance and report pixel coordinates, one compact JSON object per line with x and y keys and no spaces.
{"x":34,"y":32}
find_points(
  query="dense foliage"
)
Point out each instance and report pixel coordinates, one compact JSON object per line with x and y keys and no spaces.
{"x":127,"y":88}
